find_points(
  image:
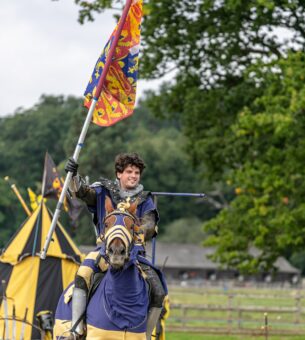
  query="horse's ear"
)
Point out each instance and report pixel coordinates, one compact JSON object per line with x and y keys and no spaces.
{"x":108,"y":205}
{"x":133,"y":208}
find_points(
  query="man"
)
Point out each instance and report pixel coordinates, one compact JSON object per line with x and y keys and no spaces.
{"x":128,"y":169}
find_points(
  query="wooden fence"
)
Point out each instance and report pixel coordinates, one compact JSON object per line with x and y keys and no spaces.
{"x":231,"y":313}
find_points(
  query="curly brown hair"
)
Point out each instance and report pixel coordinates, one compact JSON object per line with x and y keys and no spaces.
{"x":123,"y":160}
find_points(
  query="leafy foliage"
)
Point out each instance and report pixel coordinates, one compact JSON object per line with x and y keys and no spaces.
{"x":211,"y":39}
{"x":184,"y":230}
{"x":266,"y":150}
{"x":25,"y":137}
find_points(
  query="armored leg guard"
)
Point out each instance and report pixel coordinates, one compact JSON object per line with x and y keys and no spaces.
{"x":157,"y":295}
{"x":79,"y":304}
{"x":152,"y":319}
{"x":156,"y":290}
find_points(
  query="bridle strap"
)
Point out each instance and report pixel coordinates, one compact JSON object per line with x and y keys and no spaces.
{"x":126,"y":213}
{"x":118,"y":231}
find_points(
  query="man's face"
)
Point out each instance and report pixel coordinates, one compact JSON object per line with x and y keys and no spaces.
{"x":129,"y":178}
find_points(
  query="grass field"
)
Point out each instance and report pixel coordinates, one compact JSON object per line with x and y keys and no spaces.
{"x":182,"y":336}
{"x":244,"y":309}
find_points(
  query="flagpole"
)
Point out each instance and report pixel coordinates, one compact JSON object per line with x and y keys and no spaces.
{"x":82,"y":136}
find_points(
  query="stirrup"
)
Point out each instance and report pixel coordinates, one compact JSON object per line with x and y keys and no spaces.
{"x":77,"y":336}
{"x":73,"y":336}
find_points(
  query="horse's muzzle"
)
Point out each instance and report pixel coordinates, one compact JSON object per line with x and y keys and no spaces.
{"x":117,"y":253}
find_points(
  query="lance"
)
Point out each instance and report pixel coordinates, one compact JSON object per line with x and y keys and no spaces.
{"x":17,"y":193}
{"x":82,"y":136}
{"x":179,"y":194}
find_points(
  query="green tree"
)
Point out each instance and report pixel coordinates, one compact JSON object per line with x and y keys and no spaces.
{"x":266,"y":149}
{"x":10,"y":216}
{"x":184,"y":230}
{"x":24,"y":139}
{"x":27,"y":135}
{"x":214,"y":38}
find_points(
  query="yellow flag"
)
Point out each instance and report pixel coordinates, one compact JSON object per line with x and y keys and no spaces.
{"x":34,"y":199}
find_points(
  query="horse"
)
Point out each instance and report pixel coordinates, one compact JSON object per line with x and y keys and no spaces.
{"x":118,"y":307}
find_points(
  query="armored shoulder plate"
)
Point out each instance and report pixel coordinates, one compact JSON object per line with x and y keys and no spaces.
{"x":113,"y":189}
{"x":143,"y":196}
{"x":114,"y":192}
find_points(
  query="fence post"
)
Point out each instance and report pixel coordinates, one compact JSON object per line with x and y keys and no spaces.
{"x":297,"y":307}
{"x":230,"y":306}
{"x":240,"y":318}
{"x":184,"y":312}
{"x":266,"y":327}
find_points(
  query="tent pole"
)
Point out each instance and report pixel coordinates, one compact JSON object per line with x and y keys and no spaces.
{"x":17,"y":193}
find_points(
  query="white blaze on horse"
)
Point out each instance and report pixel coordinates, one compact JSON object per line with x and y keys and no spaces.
{"x":119,"y":304}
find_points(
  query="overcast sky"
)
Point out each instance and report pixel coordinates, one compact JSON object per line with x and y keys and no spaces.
{"x":44,"y":50}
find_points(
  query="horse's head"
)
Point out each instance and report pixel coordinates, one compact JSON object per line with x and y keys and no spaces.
{"x":120,"y":224}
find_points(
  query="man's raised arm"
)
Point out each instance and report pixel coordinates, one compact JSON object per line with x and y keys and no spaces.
{"x":78,"y":185}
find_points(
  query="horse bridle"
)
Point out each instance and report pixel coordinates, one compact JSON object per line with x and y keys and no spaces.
{"x":130,"y":231}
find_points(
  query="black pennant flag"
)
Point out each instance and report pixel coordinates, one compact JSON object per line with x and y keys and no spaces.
{"x":52,"y":188}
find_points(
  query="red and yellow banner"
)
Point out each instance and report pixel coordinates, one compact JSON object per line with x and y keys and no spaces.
{"x":118,"y":96}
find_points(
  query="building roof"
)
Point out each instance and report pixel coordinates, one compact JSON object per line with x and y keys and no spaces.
{"x":196,"y":257}
{"x":190,"y":256}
